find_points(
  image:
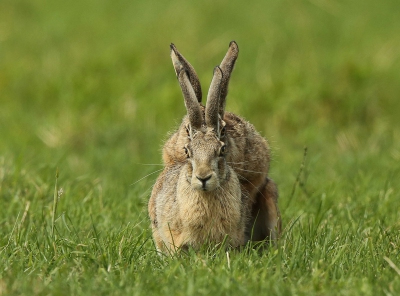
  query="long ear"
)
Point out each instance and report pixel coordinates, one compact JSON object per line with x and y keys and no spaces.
{"x":226,"y":66}
{"x":192,"y":106}
{"x":193,"y":78}
{"x":213,"y":98}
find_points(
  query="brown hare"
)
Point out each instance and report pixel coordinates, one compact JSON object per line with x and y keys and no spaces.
{"x":215,"y":182}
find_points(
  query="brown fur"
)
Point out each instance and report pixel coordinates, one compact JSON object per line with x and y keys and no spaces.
{"x":240,"y":201}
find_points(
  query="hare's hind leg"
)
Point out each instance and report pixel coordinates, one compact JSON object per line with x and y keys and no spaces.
{"x":265,"y":222}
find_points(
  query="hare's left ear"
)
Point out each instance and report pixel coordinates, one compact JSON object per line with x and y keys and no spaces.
{"x":226,"y":66}
{"x":191,"y":73}
{"x":189,"y":95}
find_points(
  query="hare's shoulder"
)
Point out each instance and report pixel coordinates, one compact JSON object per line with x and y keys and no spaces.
{"x":239,"y":128}
{"x":164,"y":190}
{"x":249,"y":152}
{"x":168,"y":179}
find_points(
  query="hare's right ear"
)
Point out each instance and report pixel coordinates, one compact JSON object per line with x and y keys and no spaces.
{"x":226,"y":66}
{"x":193,"y":78}
{"x":189,"y":95}
{"x":213,"y":98}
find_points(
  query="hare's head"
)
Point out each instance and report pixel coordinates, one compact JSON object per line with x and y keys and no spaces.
{"x":206,"y":164}
{"x":207,"y":145}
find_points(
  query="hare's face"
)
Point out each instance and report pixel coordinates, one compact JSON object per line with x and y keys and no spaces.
{"x":206,"y":161}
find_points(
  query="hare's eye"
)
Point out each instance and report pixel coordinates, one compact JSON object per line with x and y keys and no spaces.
{"x":188,"y":131}
{"x":222,"y":150}
{"x":186,"y":152}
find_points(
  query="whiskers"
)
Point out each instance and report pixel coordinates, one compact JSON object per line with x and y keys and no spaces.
{"x":169,"y":170}
{"x":250,"y":171}
{"x":168,"y":174}
{"x":150,"y":164}
{"x":241,"y":162}
{"x":146,"y":176}
{"x":248,"y":181}
{"x":244,"y":163}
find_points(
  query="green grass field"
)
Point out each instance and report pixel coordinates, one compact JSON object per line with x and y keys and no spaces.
{"x":87,"y":88}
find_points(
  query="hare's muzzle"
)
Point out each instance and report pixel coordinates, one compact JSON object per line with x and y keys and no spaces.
{"x":203,"y":181}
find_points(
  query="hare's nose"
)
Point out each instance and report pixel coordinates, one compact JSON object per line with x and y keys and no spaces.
{"x":203,"y":180}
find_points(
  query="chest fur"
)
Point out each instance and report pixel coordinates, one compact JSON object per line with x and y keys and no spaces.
{"x":210,"y":216}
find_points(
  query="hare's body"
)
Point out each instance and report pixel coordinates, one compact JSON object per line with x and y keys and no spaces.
{"x":190,"y":217}
{"x":234,"y":196}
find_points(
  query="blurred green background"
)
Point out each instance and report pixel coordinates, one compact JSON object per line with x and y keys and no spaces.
{"x":88,"y":87}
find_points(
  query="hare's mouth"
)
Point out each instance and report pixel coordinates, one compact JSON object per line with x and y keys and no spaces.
{"x":203,"y":187}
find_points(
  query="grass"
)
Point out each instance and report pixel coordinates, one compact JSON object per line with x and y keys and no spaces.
{"x":88,"y":93}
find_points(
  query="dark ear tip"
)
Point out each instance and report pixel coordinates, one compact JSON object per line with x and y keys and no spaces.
{"x":172,"y":47}
{"x":233,"y":43}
